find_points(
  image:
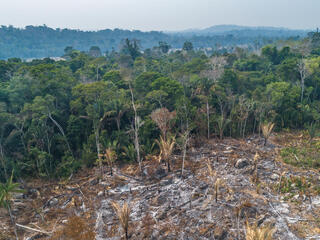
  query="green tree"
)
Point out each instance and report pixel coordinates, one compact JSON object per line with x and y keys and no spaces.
{"x":131,"y":47}
{"x":187,"y":46}
{"x":164,"y":47}
{"x":95,"y":51}
{"x":91,"y":100}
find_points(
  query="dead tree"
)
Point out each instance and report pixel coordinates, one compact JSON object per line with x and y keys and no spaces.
{"x":136,"y":126}
{"x":303,"y":72}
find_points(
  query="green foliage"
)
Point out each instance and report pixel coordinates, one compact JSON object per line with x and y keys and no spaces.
{"x":129,"y":153}
{"x":187,"y":46}
{"x":58,"y":116}
{"x":6,"y":192}
{"x":306,"y":156}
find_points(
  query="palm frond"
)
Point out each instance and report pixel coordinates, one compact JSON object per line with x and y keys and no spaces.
{"x":253,"y":232}
{"x":123,"y":214}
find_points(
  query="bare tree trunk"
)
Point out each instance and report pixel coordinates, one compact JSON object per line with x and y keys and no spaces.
{"x":186,"y":135}
{"x":302,"y":88}
{"x":13,"y":222}
{"x":183,"y":157}
{"x":62,"y":132}
{"x":97,"y":138}
{"x":127,"y":236}
{"x":208,"y":119}
{"x":303,"y":74}
{"x":118,"y":122}
{"x":244,"y":128}
{"x":184,"y":151}
{"x":136,"y":129}
{"x":254,"y":125}
{"x":49,"y":151}
{"x":168,"y":164}
{"x":3,"y":161}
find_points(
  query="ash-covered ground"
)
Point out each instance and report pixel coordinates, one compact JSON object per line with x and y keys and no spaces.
{"x":168,"y":206}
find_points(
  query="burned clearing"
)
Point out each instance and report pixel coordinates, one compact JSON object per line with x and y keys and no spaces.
{"x":227,"y":186}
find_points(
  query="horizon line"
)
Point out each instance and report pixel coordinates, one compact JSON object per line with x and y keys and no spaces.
{"x":163,"y":31}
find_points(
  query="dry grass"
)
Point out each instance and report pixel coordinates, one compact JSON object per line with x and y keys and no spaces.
{"x":266,"y":131}
{"x":253,"y":232}
{"x":212,"y":174}
{"x":76,"y":229}
{"x":123,"y":214}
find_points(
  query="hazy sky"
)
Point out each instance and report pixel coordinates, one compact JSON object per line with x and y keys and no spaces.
{"x":160,"y":14}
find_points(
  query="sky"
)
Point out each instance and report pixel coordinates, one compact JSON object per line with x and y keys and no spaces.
{"x":165,"y":15}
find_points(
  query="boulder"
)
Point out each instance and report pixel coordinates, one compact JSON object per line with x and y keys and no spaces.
{"x":242,"y":162}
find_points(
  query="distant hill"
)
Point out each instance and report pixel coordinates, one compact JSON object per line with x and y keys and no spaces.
{"x":43,"y":41}
{"x":244,"y":30}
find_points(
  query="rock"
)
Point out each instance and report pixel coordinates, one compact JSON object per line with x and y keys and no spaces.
{"x":274,"y":177}
{"x":241,"y":163}
{"x":53,"y":202}
{"x":100,"y":194}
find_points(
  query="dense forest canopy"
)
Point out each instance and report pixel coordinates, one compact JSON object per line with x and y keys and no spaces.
{"x":42,"y":41}
{"x":57,"y":116}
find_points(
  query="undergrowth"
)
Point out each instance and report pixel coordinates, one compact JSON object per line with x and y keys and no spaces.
{"x":305,"y":155}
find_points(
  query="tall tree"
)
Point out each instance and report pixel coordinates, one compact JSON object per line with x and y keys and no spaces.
{"x":93,"y":98}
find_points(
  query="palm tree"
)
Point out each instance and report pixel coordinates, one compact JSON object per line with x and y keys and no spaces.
{"x":266,"y":131}
{"x":6,"y":191}
{"x":253,"y":232}
{"x":123,"y":214}
{"x":166,"y":149}
{"x":110,"y":154}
